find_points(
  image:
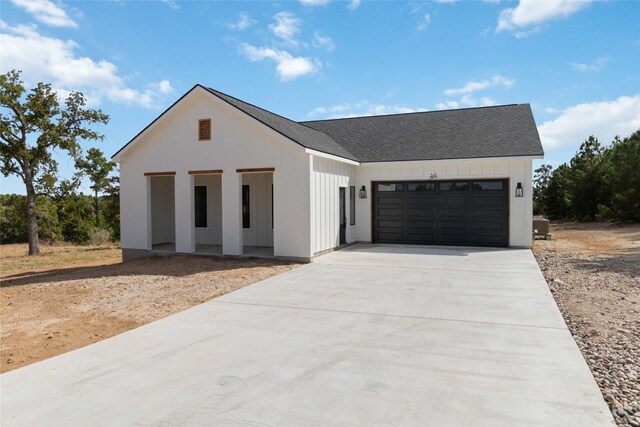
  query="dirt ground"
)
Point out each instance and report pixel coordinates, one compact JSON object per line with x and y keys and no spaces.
{"x":73,"y":296}
{"x":593,"y":270}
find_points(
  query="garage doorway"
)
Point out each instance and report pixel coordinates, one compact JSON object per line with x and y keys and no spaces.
{"x":455,"y":212}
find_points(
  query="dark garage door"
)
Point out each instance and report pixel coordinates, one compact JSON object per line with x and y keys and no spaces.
{"x":465,"y":213}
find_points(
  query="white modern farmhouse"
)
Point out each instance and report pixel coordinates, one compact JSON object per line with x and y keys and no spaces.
{"x":216,"y":175}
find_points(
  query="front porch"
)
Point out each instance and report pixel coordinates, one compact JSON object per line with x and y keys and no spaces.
{"x":211,"y":213}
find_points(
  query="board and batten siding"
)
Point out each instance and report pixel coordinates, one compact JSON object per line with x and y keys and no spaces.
{"x":327,"y":176}
{"x":515,"y":169}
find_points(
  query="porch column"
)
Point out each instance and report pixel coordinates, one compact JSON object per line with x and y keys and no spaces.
{"x":231,"y":213}
{"x":185,"y":231}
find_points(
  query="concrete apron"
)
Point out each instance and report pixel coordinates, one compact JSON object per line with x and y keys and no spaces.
{"x":370,"y":335}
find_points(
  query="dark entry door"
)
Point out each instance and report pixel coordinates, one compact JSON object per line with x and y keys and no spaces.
{"x":343,"y":216}
{"x":465,"y":213}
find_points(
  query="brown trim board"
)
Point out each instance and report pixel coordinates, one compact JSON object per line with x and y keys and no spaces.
{"x":256,"y":170}
{"x":159,"y":174}
{"x":206,"y":172}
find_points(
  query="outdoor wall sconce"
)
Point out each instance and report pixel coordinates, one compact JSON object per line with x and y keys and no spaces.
{"x":363,"y":192}
{"x":519,"y":191}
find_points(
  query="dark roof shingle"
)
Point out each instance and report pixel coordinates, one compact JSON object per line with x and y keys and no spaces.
{"x":501,"y":131}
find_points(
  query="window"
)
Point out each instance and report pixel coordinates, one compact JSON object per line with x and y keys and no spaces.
{"x":204,"y":130}
{"x":201,"y":205}
{"x":352,"y":205}
{"x":246,"y":206}
{"x":420,"y":186}
{"x":272,"y":206}
{"x":454,"y":186}
{"x":390,"y":187}
{"x":488,"y":185}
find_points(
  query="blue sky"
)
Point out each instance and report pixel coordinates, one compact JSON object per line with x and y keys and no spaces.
{"x":576,"y":62}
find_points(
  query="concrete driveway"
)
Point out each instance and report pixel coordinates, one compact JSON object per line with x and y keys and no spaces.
{"x":370,"y":335}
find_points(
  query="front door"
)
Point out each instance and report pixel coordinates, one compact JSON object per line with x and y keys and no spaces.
{"x":343,"y":216}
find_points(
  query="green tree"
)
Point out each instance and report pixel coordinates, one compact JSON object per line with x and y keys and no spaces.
{"x":556,"y":201}
{"x":586,"y":180}
{"x":541,"y":178}
{"x":622,"y":177}
{"x":32,"y":126}
{"x":98,"y":169}
{"x":111,"y":209}
{"x":75,"y":212}
{"x":13,"y":224}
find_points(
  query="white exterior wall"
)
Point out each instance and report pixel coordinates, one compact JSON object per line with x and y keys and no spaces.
{"x":260,"y":233}
{"x":212,"y":233}
{"x":514,"y":169}
{"x":326,"y":178}
{"x":238,"y":141}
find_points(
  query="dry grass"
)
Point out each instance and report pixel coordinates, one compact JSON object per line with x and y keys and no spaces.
{"x":14,"y":258}
{"x":72,"y":296}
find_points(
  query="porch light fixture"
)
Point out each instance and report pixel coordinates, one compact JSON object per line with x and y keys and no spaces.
{"x":519,"y":191}
{"x":363,"y":192}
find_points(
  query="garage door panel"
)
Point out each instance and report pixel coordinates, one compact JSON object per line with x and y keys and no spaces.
{"x":421,"y":238}
{"x":385,"y":223}
{"x":487,"y":213}
{"x":418,"y":224}
{"x":468,"y":212}
{"x":421,"y":213}
{"x":395,"y":200}
{"x":487,"y":200}
{"x":384,"y":212}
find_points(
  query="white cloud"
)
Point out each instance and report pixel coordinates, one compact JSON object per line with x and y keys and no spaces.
{"x":323,"y":42}
{"x":359,"y":109}
{"x":473,"y":86}
{"x":604,"y":120}
{"x":48,"y":59}
{"x":446,"y":1}
{"x":46,"y":12}
{"x":354,"y":4}
{"x":288,"y":67}
{"x":551,"y":110}
{"x":286,"y":27}
{"x":534,"y":13}
{"x":314,"y":2}
{"x":424,"y":23}
{"x":244,"y":21}
{"x":594,"y":66}
{"x":172,"y":4}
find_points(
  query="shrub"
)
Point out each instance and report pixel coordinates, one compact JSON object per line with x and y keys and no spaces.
{"x":99,"y":236}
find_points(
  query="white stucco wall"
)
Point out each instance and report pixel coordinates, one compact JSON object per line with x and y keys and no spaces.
{"x":212,"y":233}
{"x":238,"y":141}
{"x":514,"y":169}
{"x":260,"y":232}
{"x":327,"y":176}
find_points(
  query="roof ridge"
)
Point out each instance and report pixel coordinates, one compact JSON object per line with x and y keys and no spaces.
{"x":218,"y":94}
{"x":410,"y":113}
{"x":263,"y":109}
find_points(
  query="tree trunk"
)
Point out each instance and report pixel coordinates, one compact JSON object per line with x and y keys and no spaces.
{"x":97,"y":202}
{"x":32,"y":225}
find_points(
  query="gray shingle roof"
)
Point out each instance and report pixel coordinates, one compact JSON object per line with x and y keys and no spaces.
{"x":501,"y":131}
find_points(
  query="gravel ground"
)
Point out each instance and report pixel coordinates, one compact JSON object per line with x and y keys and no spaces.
{"x":599,"y":297}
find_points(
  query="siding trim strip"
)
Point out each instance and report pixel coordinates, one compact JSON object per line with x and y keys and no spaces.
{"x":249,"y":170}
{"x":159,"y":174}
{"x":206,"y":172}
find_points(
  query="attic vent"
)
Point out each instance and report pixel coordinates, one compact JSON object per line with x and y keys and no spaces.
{"x":204,"y":130}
